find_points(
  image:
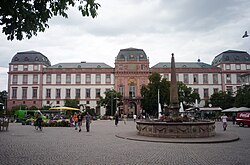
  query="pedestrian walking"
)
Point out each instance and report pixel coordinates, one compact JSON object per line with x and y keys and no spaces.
{"x":71,"y":120}
{"x":125,"y":118}
{"x":80,"y":117}
{"x":88,"y":121}
{"x":116,"y":119}
{"x":134,"y":116}
{"x":224,"y":121}
{"x":75,"y":118}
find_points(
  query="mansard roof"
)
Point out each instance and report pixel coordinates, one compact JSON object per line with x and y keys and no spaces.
{"x":81,"y":65}
{"x":130,"y":54}
{"x":183,"y":65}
{"x":231,"y":56}
{"x":29,"y":57}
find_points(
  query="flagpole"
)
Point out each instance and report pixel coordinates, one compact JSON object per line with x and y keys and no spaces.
{"x":159,"y":105}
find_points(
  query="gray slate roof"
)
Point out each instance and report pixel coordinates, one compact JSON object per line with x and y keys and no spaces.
{"x":80,"y":65}
{"x":183,"y":65}
{"x":231,"y":56}
{"x":131,"y":54}
{"x":28,"y":57}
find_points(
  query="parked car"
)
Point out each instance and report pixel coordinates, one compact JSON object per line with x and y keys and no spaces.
{"x":243,"y":118}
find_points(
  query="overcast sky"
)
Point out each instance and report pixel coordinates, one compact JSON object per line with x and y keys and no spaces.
{"x":190,"y":29}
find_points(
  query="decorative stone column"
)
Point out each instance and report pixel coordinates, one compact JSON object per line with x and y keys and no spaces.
{"x":174,"y":101}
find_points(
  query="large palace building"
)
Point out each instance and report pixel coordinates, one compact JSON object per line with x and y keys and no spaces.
{"x":33,"y":81}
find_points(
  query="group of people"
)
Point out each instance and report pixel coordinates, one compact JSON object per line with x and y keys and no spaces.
{"x":77,"y":119}
{"x":123,"y":117}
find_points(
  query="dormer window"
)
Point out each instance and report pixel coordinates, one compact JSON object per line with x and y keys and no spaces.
{"x":184,"y":66}
{"x":79,"y":66}
{"x":237,"y":58}
{"x":227,"y":58}
{"x":59,"y":66}
{"x":164,"y":66}
{"x":98,"y":66}
{"x":26,"y":59}
{"x":16,"y":59}
{"x":36,"y":59}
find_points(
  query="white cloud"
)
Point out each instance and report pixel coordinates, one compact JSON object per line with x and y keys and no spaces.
{"x":189,"y":28}
{"x":3,"y":78}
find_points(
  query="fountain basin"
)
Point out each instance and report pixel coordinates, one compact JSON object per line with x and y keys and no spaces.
{"x":176,"y":129}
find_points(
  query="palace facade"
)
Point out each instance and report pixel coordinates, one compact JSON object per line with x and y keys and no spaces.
{"x":33,"y":81}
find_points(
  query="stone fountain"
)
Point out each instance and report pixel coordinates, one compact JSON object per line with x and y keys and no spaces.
{"x":175,"y":128}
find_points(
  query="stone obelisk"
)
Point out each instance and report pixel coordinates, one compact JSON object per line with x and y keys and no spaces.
{"x":174,"y":101}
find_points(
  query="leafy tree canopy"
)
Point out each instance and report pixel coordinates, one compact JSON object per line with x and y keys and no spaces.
{"x":71,"y":103}
{"x":150,"y":94}
{"x":242,"y":97}
{"x":222,"y":99}
{"x":110,"y":101}
{"x":27,"y":17}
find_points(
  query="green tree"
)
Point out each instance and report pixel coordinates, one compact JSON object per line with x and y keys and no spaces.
{"x":110,"y":101}
{"x":222,"y":99}
{"x":3,"y":96}
{"x":242,"y":97}
{"x":27,"y":17}
{"x":71,"y":103}
{"x":186,"y":95}
{"x":150,"y":93}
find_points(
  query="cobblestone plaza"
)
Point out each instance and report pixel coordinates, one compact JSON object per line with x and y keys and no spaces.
{"x":24,"y":145}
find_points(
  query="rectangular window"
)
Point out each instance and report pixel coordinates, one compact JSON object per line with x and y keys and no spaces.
{"x":78,"y":78}
{"x":205,"y":78}
{"x":228,"y":67}
{"x":88,"y":78}
{"x":34,"y":93}
{"x":229,"y":89}
{"x":120,"y":67}
{"x":228,"y":78}
{"x":177,"y":77}
{"x":248,"y":66}
{"x":206,"y":95}
{"x":67,"y":93}
{"x":48,"y":93}
{"x":108,"y":78}
{"x":15,"y":79}
{"x":121,"y":89}
{"x":97,"y":78}
{"x":215,"y":78}
{"x":15,"y":67}
{"x":58,"y":78}
{"x":142,"y":66}
{"x":25,"y":68}
{"x":237,"y":67}
{"x":68,"y":78}
{"x":97,"y":93}
{"x":35,"y":67}
{"x":185,"y":79}
{"x":216,"y":90}
{"x":48,"y":78}
{"x":14,"y":93}
{"x":239,"y":80}
{"x":87,"y":93}
{"x":166,"y":76}
{"x":35,"y":79}
{"x":196,"y":90}
{"x":58,"y":93}
{"x":25,"y":79}
{"x":196,"y":80}
{"x":78,"y":93}
{"x":24,"y":93}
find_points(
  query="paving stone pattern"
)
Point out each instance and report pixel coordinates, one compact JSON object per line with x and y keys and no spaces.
{"x":25,"y":145}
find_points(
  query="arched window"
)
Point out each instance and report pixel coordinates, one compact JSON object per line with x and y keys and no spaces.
{"x":132,"y":89}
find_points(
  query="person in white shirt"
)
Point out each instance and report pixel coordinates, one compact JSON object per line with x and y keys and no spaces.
{"x":134,"y":116}
{"x":224,"y":121}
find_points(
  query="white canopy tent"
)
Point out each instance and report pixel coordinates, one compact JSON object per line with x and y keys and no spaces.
{"x":234,"y":109}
